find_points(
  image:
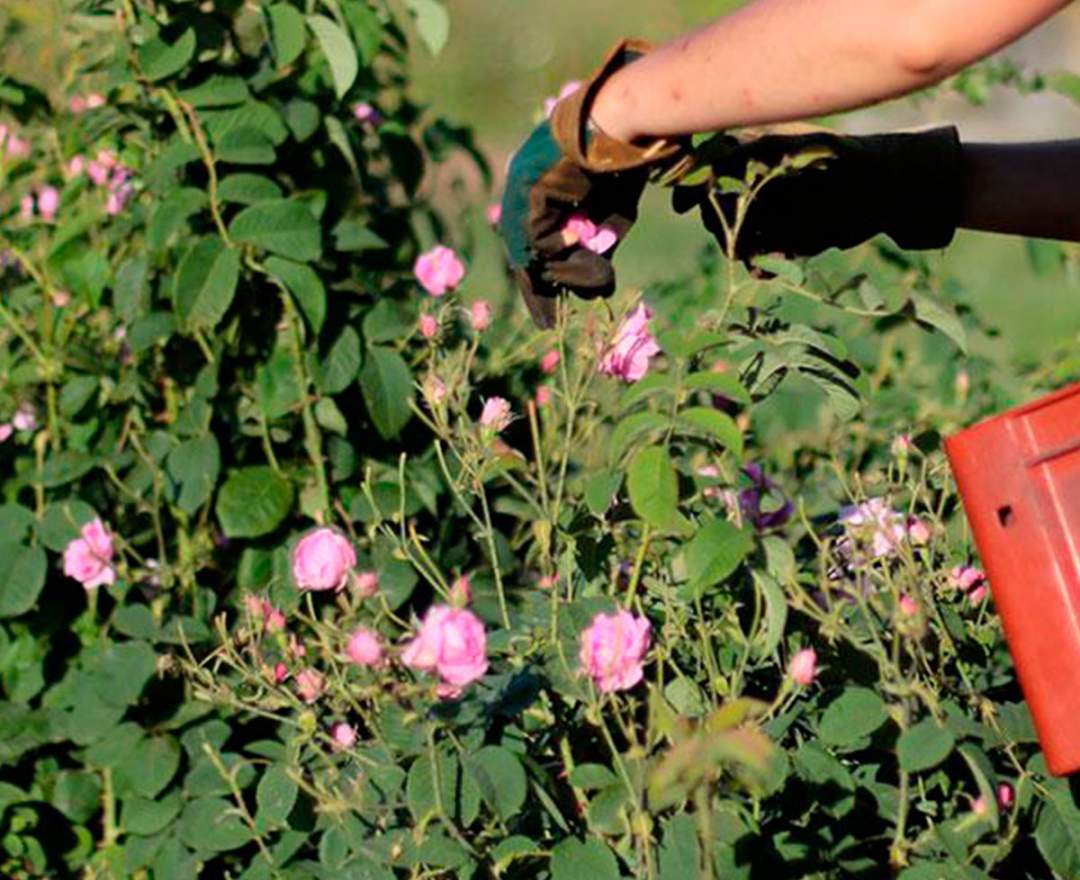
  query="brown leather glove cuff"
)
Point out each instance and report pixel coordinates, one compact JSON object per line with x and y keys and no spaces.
{"x":923,"y":187}
{"x":590,"y":147}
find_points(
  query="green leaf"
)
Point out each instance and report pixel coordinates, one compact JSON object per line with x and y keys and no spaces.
{"x":281,"y":226}
{"x":62,"y":522}
{"x":304,"y":284}
{"x":856,"y":713}
{"x":275,"y":797}
{"x":22,"y":577}
{"x":253,"y":502}
{"x":432,"y":23}
{"x":500,"y":778}
{"x":388,"y":321}
{"x":131,"y":293}
{"x":631,"y":427}
{"x":726,"y":384}
{"x":212,"y":824}
{"x":159,"y":59}
{"x":122,"y":671}
{"x":152,"y":765}
{"x":772,"y":630}
{"x":714,"y":553}
{"x":339,"y":50}
{"x":387,"y":385}
{"x":338,"y":371}
{"x":654,"y":489}
{"x":933,"y":314}
{"x":337,"y":135}
{"x":718,"y":425}
{"x":247,"y":189}
{"x":76,"y":794}
{"x":277,"y":387}
{"x":140,"y":815}
{"x":245,"y":146}
{"x":600,"y":489}
{"x":195,"y":466}
{"x":924,"y":745}
{"x":218,"y":90}
{"x":785,"y":270}
{"x":206,"y":284}
{"x":286,"y":33}
{"x":1045,"y":257}
{"x":583,"y":860}
{"x":457,"y":789}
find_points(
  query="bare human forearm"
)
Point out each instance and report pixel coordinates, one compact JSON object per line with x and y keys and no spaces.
{"x":1023,"y":189}
{"x":778,"y":60}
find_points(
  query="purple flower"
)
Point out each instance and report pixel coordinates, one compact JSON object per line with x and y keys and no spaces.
{"x":762,"y":503}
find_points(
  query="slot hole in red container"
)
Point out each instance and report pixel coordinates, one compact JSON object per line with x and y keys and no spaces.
{"x":1006,"y":516}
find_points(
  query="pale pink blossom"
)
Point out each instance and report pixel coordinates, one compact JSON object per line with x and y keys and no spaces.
{"x":366,"y":114}
{"x":902,"y":445}
{"x":366,"y":584}
{"x":976,"y":596}
{"x":908,"y":606}
{"x":550,"y":361}
{"x":439,"y":270}
{"x":97,"y":171}
{"x":496,"y":414}
{"x":494,"y":213}
{"x":451,"y":642}
{"x":803,"y":667}
{"x":875,"y":525}
{"x":480,"y":315}
{"x":979,"y":806}
{"x":48,"y":202}
{"x":26,"y":208}
{"x":94,"y":101}
{"x":76,"y":165}
{"x":568,"y":89}
{"x":461,"y":591}
{"x":613,"y":649}
{"x":88,"y":558}
{"x":118,"y":198}
{"x":322,"y":560}
{"x":25,"y":418}
{"x":628,"y":356}
{"x":579,"y":229}
{"x":295,"y":648}
{"x":543,"y":396}
{"x":77,"y":104}
{"x":428,"y":325}
{"x":964,"y":577}
{"x":6,"y":430}
{"x":61,"y":298}
{"x":1005,"y":795}
{"x":17,"y":147}
{"x":310,"y":685}
{"x":548,"y":581}
{"x":275,"y":619}
{"x":364,"y":647}
{"x":918,"y":531}
{"x":344,"y":735}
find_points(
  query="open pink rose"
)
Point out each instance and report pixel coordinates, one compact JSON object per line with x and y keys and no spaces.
{"x":803,"y":667}
{"x":875,"y":525}
{"x":628,"y":356}
{"x":579,"y":229}
{"x":6,"y":430}
{"x":17,"y":147}
{"x":451,"y":642}
{"x":439,"y":270}
{"x":496,"y":413}
{"x":322,"y":560}
{"x":364,"y":648}
{"x":88,"y":558}
{"x":613,"y":648}
{"x":964,"y":577}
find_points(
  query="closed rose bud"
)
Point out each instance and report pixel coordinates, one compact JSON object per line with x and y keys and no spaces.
{"x":976,"y":596}
{"x":1005,"y":795}
{"x":543,"y":396}
{"x":309,"y":685}
{"x":480,"y":315}
{"x":803,"y":667}
{"x":364,"y":647}
{"x":322,"y":560}
{"x":26,"y":208}
{"x":979,"y":806}
{"x":429,"y":326}
{"x":964,"y":577}
{"x":94,"y":100}
{"x":48,"y":202}
{"x":344,"y":735}
{"x":613,"y":650}
{"x":918,"y":531}
{"x":25,"y":418}
{"x":366,"y":584}
{"x":908,"y":606}
{"x":461,"y":592}
{"x":496,"y":414}
{"x":281,"y":672}
{"x":550,"y":361}
{"x":275,"y":619}
{"x":365,"y":114}
{"x":494,"y":213}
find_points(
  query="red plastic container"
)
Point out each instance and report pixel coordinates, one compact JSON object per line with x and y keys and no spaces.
{"x":1019,"y":478}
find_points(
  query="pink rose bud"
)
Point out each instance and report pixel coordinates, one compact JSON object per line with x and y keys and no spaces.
{"x":1005,"y":795}
{"x":77,"y":104}
{"x":434,"y":390}
{"x":628,"y":356}
{"x":97,"y":171}
{"x":803,"y":667}
{"x":309,"y":685}
{"x":964,"y":577}
{"x":550,"y":361}
{"x":429,"y":326}
{"x":461,"y":592}
{"x":322,"y":560}
{"x":275,"y":619}
{"x":976,"y":596}
{"x":902,"y":445}
{"x":76,"y":165}
{"x":908,"y":606}
{"x":61,"y":298}
{"x":26,"y":208}
{"x":366,"y":584}
{"x":48,"y":202}
{"x":364,"y":648}
{"x":94,"y":101}
{"x":962,"y":384}
{"x":256,"y":607}
{"x":568,"y":89}
{"x":495,"y":414}
{"x":344,"y":735}
{"x":439,"y":270}
{"x":494,"y":213}
{"x":480,"y":315}
{"x":295,"y":647}
{"x":543,"y":396}
{"x":918,"y":531}
{"x":25,"y":419}
{"x":979,"y":806}
{"x":365,"y":114}
{"x":88,"y":558}
{"x":281,"y":672}
{"x":613,"y":648}
{"x":548,"y":582}
{"x":6,"y":430}
{"x":17,"y":148}
{"x":451,"y":642}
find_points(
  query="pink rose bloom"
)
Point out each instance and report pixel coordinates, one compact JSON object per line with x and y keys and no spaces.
{"x":495,"y":414}
{"x":322,"y":560}
{"x":550,"y":361}
{"x":48,"y":202}
{"x":344,"y":735}
{"x":429,"y":326}
{"x":1005,"y":795}
{"x":310,"y":685}
{"x":25,"y":419}
{"x":579,"y":229}
{"x":908,"y":606}
{"x":877,"y":524}
{"x":964,"y":577}
{"x":494,"y":213}
{"x":97,"y":171}
{"x":365,"y":114}
{"x":461,"y":592}
{"x":803,"y":667}
{"x":6,"y":430}
{"x":366,"y":584}
{"x":568,"y":89}
{"x":439,"y":270}
{"x":628,"y":356}
{"x":902,"y":445}
{"x":364,"y":648}
{"x":480,"y":315}
{"x":543,"y":395}
{"x":76,"y":165}
{"x":452,"y":642}
{"x":26,"y":208}
{"x":88,"y":558}
{"x":17,"y":148}
{"x":613,"y":648}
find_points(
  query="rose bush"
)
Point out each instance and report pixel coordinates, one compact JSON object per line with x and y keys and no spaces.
{"x":315,"y":563}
